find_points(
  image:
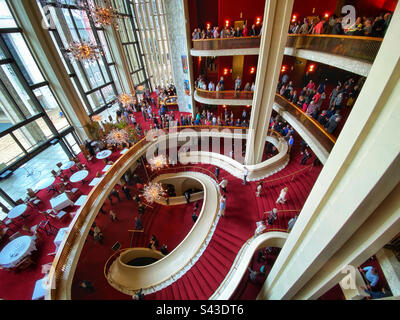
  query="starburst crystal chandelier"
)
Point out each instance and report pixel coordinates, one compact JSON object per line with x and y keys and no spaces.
{"x":84,"y":51}
{"x":125,"y":99}
{"x":105,"y":16}
{"x":158,"y":162}
{"x":97,"y":118}
{"x":153,"y":192}
{"x":117,"y":137}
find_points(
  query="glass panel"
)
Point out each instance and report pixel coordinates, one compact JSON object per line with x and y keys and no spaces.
{"x":17,"y":91}
{"x":9,"y":151}
{"x":9,"y":113}
{"x":135,"y":79}
{"x":33,"y":171}
{"x":116,"y":79}
{"x":106,"y":50}
{"x":23,"y":57}
{"x":52,"y":108}
{"x":74,"y":80}
{"x":73,"y":143}
{"x":6,"y":18}
{"x":96,"y":100}
{"x":108,"y":93}
{"x":94,"y":74}
{"x":33,"y":134}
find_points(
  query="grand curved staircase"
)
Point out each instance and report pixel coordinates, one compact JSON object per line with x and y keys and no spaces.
{"x":238,"y":225}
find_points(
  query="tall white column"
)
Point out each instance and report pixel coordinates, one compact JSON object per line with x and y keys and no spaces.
{"x":353,"y":207}
{"x":273,"y":40}
{"x":30,"y":19}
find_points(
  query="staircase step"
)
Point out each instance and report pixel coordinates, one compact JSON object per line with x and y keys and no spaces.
{"x":207,"y":275}
{"x":200,"y":292}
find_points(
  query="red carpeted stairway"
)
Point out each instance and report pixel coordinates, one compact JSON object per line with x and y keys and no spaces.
{"x":243,"y":210}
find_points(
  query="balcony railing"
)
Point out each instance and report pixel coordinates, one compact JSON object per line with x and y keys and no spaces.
{"x":171,"y":100}
{"x":363,"y":48}
{"x":234,"y":95}
{"x":227,"y":43}
{"x":314,"y":127}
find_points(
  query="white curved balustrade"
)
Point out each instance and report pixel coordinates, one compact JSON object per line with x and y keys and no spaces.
{"x":67,"y":257}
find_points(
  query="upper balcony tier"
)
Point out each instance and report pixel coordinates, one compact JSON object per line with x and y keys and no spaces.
{"x":226,"y":47}
{"x":352,"y":53}
{"x":232,"y":98}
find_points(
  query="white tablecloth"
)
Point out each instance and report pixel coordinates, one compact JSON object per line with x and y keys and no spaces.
{"x":16,"y":250}
{"x":81,"y":200}
{"x":60,"y":237}
{"x":17,"y":211}
{"x":95,"y":181}
{"x":79,"y":176}
{"x":43,"y":184}
{"x":60,"y":202}
{"x":103,"y":154}
{"x":67,"y":165}
{"x":41,"y":288}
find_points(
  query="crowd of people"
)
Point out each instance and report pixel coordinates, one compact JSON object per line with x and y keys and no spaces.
{"x":226,"y":32}
{"x":201,"y":83}
{"x":311,"y":98}
{"x":363,"y":26}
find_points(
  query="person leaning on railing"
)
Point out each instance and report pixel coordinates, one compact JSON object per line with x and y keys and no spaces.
{"x":372,"y":27}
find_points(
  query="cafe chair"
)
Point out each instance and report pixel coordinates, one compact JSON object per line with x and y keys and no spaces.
{"x":24,"y":264}
{"x":15,"y":236}
{"x":46,"y":226}
{"x":55,"y":174}
{"x":9,"y":224}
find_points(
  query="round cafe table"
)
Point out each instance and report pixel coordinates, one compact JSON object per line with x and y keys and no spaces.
{"x":79,"y":176}
{"x":67,"y":165}
{"x":45,"y":183}
{"x":15,"y":251}
{"x":103,"y":154}
{"x":17,"y":211}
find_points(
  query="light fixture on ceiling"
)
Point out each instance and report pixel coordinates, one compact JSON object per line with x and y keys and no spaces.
{"x":102,"y":13}
{"x":117,"y":137}
{"x":83,"y":51}
{"x":158,"y":162}
{"x":153,"y":192}
{"x":125,"y":99}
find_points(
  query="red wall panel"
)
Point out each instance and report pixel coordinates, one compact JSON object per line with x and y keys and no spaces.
{"x":304,"y":8}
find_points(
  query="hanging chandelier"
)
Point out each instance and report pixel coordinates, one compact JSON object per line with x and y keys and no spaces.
{"x":153,"y":192}
{"x":105,"y":16}
{"x":83,"y":51}
{"x":97,"y":118}
{"x":125,"y":99}
{"x":117,"y":137}
{"x":159,"y":162}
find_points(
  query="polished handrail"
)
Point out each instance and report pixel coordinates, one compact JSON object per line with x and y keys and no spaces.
{"x":60,"y":263}
{"x":170,"y":103}
{"x":230,"y":38}
{"x":227,"y":43}
{"x":290,"y":175}
{"x":363,"y":48}
{"x":225,"y":94}
{"x":326,"y":139}
{"x":60,"y":275}
{"x":154,"y":174}
{"x":337,"y":36}
{"x":238,"y":257}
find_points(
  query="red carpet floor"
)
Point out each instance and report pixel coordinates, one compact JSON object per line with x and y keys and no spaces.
{"x":170,"y":225}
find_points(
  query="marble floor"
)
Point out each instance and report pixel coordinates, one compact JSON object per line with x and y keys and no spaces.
{"x":33,"y":171}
